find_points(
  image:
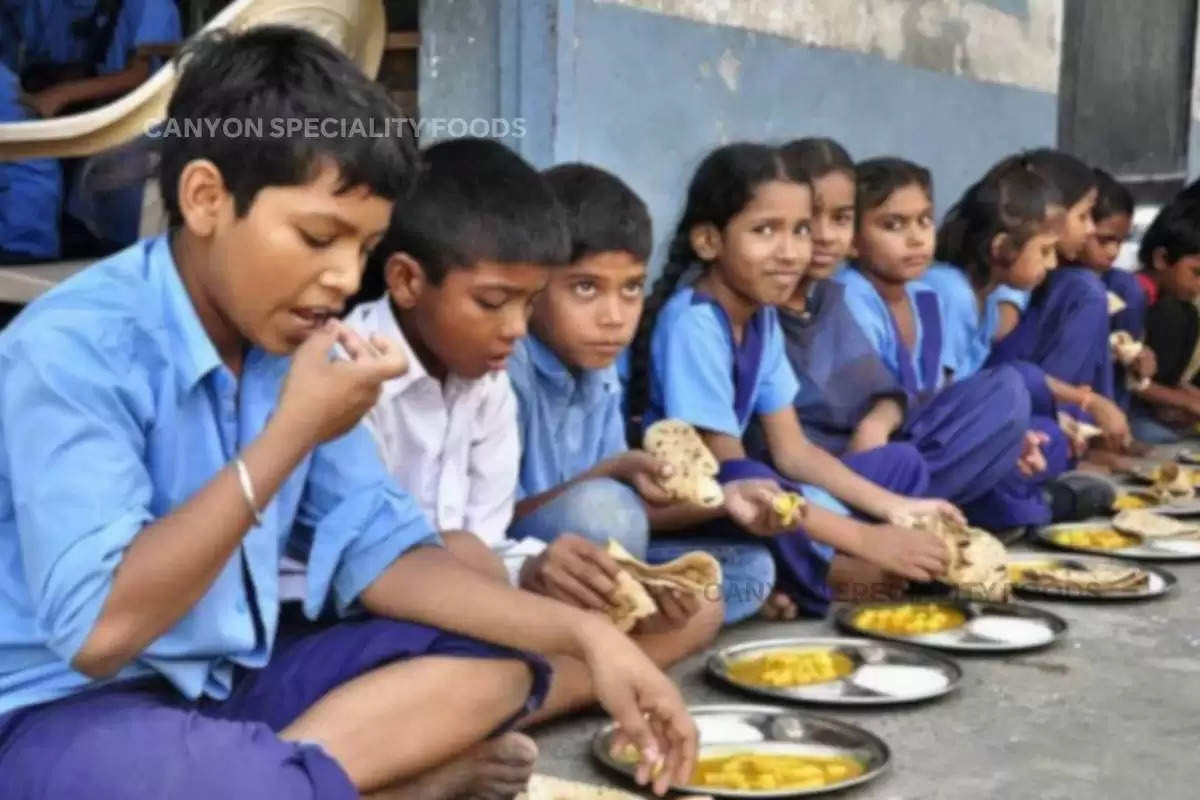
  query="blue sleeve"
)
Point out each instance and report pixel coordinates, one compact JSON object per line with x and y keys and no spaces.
{"x":361,"y":521}
{"x":778,"y":384}
{"x":1007,"y":294}
{"x":873,"y":324}
{"x":158,"y":23}
{"x":75,"y":414}
{"x":693,"y":365}
{"x":614,"y":441}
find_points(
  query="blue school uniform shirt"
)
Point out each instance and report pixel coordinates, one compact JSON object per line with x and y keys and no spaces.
{"x":700,"y":375}
{"x":569,"y":420}
{"x":922,"y":370}
{"x":46,"y":30}
{"x":30,"y":190}
{"x":115,"y":410}
{"x":969,"y":333}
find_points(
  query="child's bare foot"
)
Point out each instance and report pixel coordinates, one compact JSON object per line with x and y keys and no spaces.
{"x":779,"y":607}
{"x":497,"y":769}
{"x":855,"y":580}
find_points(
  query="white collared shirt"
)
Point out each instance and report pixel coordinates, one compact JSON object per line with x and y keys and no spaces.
{"x":455,"y":446}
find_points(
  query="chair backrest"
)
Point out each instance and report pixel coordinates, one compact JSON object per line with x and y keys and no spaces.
{"x":357,"y":27}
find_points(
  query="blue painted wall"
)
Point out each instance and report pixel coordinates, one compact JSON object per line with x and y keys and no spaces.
{"x":641,"y":94}
{"x":645,"y":110}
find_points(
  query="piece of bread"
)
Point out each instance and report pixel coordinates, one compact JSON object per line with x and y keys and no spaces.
{"x":1115,"y":304}
{"x":631,"y":603}
{"x":1149,"y":525}
{"x":695,"y":573}
{"x":545,"y":787}
{"x":1125,"y":347}
{"x":978,"y":561}
{"x":694,"y":467}
{"x":1093,"y":580}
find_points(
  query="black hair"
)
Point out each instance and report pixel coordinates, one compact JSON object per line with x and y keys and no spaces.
{"x":248,"y":103}
{"x":1176,"y":229}
{"x":474,"y":200}
{"x":818,"y":157}
{"x":721,"y":188}
{"x":1073,"y":178}
{"x":603,"y":214}
{"x":877,"y":179}
{"x":1012,"y":198}
{"x":1112,"y":198}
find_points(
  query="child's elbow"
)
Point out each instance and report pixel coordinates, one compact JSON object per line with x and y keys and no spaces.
{"x":103,"y":653}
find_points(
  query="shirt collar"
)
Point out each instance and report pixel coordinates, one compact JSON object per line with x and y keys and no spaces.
{"x":376,"y":317}
{"x":182,"y":321}
{"x":593,"y":383}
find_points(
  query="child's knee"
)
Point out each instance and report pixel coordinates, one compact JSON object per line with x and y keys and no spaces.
{"x":603,"y":509}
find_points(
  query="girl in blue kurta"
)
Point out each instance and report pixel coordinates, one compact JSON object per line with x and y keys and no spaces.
{"x":709,"y":351}
{"x":974,"y":432}
{"x":1064,"y":328}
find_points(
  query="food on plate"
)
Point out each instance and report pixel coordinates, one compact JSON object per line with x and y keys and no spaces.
{"x":783,"y":668}
{"x":910,"y":619}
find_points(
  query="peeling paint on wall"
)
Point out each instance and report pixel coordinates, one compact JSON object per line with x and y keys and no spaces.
{"x":729,"y":68}
{"x":1016,"y":42}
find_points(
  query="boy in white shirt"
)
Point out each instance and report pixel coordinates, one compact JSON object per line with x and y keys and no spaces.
{"x":455,"y":277}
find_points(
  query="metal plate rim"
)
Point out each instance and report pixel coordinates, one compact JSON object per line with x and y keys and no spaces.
{"x":1042,"y":537}
{"x":1189,"y":508}
{"x":1058,"y":625}
{"x":1169,"y":579}
{"x":954,"y":669}
{"x":870,"y":739}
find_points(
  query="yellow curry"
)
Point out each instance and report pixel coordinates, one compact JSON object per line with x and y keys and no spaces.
{"x":1132,"y":502}
{"x":1102,"y":539}
{"x":791,"y":668}
{"x":764,"y":771}
{"x":910,"y":619}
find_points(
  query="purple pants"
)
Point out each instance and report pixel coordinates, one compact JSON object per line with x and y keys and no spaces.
{"x":802,"y":564}
{"x":142,"y":739}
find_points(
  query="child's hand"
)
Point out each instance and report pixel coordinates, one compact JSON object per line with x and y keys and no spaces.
{"x":643,"y":472}
{"x":916,"y":555}
{"x":906,"y":508}
{"x":1031,"y":461}
{"x":646,"y":705}
{"x":675,"y":609}
{"x":751,"y":504}
{"x":324,"y":398}
{"x":1145,"y":366}
{"x":1112,"y":420}
{"x":575,"y":571}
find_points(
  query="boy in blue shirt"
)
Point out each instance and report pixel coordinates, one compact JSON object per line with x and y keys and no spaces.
{"x":170,"y":415}
{"x":580,"y":484}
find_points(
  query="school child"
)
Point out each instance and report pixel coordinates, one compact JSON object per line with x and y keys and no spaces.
{"x":1170,"y":257}
{"x":580,"y":484}
{"x":465,"y":254}
{"x":78,"y":54}
{"x":1064,"y":328}
{"x":30,"y":192}
{"x":188,"y":401}
{"x":709,"y":351}
{"x":974,"y":431}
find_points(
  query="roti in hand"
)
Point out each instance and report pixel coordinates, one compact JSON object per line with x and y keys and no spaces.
{"x":978,"y":561}
{"x":1126,"y":348}
{"x":631,"y":603}
{"x":693,"y":465}
{"x":545,"y":787}
{"x":691,"y":574}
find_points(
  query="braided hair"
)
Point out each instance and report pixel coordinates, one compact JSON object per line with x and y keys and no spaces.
{"x":1012,"y":198}
{"x":722,"y":187}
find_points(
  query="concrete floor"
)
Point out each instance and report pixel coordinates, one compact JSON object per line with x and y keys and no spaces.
{"x":1109,"y":712}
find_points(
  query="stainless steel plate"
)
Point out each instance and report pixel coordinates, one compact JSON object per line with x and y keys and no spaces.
{"x":1178,"y":508}
{"x":989,"y":627}
{"x":884,"y":673}
{"x":729,"y":729}
{"x":1160,"y":581}
{"x":1146,"y":550}
{"x":1188,"y":456}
